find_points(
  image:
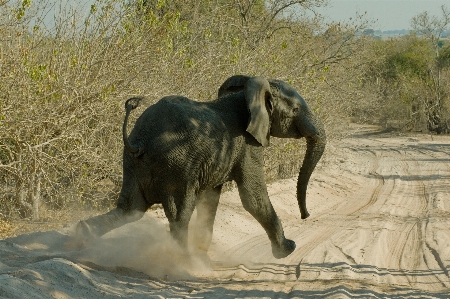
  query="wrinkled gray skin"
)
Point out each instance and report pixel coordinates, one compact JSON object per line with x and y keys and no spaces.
{"x":180,"y":153}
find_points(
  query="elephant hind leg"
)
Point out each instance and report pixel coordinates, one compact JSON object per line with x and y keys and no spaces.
{"x":202,"y":228}
{"x":131,"y":207}
{"x":87,"y":231}
{"x":207,"y":203}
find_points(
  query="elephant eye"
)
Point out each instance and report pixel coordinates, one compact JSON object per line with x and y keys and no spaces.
{"x":295,"y":110}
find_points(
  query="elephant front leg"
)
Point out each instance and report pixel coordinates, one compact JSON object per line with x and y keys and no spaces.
{"x":207,"y":203}
{"x":254,"y":197}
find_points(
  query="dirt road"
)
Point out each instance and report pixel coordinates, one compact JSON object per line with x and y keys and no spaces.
{"x":379,"y":228}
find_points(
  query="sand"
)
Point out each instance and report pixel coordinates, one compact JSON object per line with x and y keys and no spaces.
{"x":379,"y":228}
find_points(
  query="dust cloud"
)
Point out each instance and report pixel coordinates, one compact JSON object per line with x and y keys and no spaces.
{"x":145,"y":246}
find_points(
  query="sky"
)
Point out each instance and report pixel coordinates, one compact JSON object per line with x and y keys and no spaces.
{"x":390,"y":14}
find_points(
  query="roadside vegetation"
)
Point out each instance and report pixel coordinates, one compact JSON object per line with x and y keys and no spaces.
{"x":66,"y":71}
{"x":408,"y":77}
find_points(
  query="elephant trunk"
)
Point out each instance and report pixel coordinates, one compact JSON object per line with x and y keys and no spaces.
{"x":314,"y":150}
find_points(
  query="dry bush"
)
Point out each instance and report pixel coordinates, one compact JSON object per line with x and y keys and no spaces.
{"x":63,"y":85}
{"x":408,"y":84}
{"x":406,"y":78}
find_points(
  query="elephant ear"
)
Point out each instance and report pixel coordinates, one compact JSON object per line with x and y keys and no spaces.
{"x":233,"y":84}
{"x":258,"y":96}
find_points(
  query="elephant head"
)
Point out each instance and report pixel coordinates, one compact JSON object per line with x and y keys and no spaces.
{"x":276,"y":109}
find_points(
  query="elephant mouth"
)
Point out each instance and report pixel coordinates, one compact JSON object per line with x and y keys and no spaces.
{"x":319,"y":139}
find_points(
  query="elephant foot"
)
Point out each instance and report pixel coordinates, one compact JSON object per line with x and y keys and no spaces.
{"x":82,"y":237}
{"x":286,"y":249}
{"x":304,"y":215}
{"x":201,"y":260}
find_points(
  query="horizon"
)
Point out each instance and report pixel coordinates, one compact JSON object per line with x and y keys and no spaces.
{"x":384,"y":13}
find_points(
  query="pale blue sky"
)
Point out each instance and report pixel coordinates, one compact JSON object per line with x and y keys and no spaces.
{"x":391,"y":14}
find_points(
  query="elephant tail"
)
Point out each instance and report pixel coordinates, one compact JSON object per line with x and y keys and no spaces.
{"x":130,"y":104}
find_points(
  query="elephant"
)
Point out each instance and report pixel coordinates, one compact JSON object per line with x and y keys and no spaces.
{"x":181,"y":152}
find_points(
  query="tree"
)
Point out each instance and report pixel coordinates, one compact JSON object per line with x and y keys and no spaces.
{"x":432,"y":28}
{"x":63,"y":87}
{"x":261,"y":19}
{"x":253,"y":20}
{"x":410,"y":76}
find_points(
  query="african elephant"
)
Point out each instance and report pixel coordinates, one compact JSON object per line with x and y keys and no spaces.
{"x":180,"y":153}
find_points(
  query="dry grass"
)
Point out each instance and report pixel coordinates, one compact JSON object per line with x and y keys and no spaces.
{"x":63,"y":86}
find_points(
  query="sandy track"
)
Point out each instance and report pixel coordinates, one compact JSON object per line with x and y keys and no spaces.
{"x":379,"y":227}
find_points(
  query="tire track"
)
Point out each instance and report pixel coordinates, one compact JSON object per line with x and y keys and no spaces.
{"x":422,"y":249}
{"x":397,"y":237}
{"x":392,"y":207}
{"x":350,"y":205}
{"x":375,"y":193}
{"x":401,"y":241}
{"x":414,"y":244}
{"x":418,"y":204}
{"x":326,"y":231}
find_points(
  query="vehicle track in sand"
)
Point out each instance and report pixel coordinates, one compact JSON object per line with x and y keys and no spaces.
{"x":378,"y":233}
